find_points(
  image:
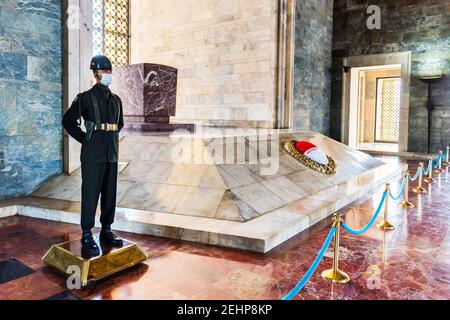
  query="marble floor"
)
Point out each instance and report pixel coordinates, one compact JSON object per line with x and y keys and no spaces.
{"x":412,"y":262}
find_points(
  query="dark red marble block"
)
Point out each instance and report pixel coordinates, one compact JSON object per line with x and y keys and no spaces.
{"x":148,"y":92}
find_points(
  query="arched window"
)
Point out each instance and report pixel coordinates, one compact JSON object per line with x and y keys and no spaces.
{"x":111,"y":30}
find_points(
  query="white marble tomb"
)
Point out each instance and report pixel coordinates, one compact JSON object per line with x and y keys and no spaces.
{"x":234,"y":190}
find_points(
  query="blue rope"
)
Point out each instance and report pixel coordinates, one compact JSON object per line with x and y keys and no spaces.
{"x":299,"y":286}
{"x":416,"y":176}
{"x":426,"y":172}
{"x":361,"y":231}
{"x":438,"y":160}
{"x":399,"y":195}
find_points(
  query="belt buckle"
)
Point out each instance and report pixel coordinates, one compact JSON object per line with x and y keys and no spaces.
{"x":108,"y":127}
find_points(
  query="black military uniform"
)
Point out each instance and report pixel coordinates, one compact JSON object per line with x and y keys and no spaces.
{"x":103,"y":146}
{"x":99,"y":156}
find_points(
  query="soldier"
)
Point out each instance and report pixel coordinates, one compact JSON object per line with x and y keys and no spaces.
{"x":103,"y":119}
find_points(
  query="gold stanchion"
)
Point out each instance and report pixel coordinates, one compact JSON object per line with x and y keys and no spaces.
{"x":439,"y":170}
{"x":447,"y":162}
{"x":335,"y":275}
{"x":419,"y":207}
{"x":385,"y":224}
{"x":429,"y":193}
{"x":405,"y":203}
{"x":430,"y":172}
{"x":384,"y":249}
{"x":419,"y":188}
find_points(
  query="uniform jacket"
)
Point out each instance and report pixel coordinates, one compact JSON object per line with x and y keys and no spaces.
{"x":104,"y":145}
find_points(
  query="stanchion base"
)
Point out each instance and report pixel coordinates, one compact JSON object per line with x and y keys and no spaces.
{"x":419,"y":190}
{"x":429,"y":180}
{"x":406,"y":204}
{"x":439,"y":171}
{"x":336,"y":276}
{"x":385,"y":225}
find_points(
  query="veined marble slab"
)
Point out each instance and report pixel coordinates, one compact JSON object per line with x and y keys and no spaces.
{"x":237,"y":177}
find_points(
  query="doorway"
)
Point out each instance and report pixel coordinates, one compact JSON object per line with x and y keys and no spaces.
{"x":378,"y":108}
{"x":376,"y":102}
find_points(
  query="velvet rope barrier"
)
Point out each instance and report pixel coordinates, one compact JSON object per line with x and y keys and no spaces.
{"x":402,"y":189}
{"x":367,"y":227}
{"x":302,"y":282}
{"x":426,"y":172}
{"x":438,"y":160}
{"x":299,"y":286}
{"x":416,"y":176}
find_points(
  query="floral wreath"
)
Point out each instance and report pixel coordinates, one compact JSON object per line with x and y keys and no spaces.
{"x":297,"y":150}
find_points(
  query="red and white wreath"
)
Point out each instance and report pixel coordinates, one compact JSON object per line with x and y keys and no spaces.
{"x":312,"y":151}
{"x":311,"y":156}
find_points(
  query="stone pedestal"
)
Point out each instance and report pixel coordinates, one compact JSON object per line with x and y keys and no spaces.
{"x":148,"y":92}
{"x":111,"y":259}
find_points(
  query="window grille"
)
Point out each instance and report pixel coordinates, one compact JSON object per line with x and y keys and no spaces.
{"x":387,"y":128}
{"x":111,"y":30}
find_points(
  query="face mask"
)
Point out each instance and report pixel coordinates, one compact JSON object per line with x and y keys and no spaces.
{"x":106,"y":79}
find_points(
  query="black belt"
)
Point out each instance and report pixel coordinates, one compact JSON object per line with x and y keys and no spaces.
{"x":106,"y":127}
{"x":103,"y":126}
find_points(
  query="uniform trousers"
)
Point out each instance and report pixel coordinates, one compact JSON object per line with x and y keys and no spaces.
{"x":98,"y":179}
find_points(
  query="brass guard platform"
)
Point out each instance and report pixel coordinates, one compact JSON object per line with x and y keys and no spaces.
{"x":110,"y":260}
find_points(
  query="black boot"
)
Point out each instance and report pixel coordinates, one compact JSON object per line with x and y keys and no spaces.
{"x":106,"y":235}
{"x":88,"y":244}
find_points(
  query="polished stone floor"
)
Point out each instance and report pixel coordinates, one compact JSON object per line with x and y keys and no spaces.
{"x":412,"y":262}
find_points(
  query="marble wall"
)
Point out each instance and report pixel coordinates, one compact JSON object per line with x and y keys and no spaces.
{"x":225,"y":53}
{"x":30,"y":94}
{"x":422,"y":27}
{"x":312,"y":69}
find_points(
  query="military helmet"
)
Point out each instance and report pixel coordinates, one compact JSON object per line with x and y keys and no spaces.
{"x":101,"y":62}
